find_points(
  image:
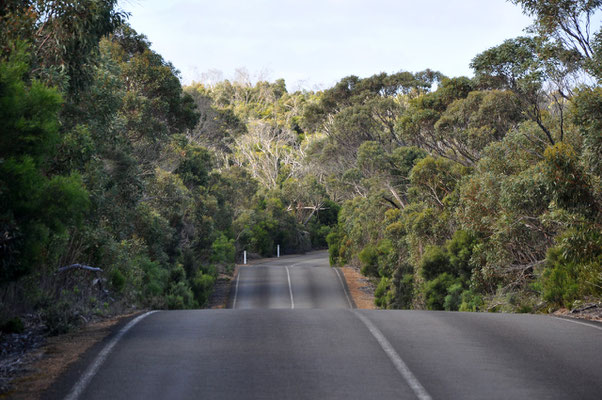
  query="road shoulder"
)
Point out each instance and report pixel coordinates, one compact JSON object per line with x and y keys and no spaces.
{"x":360,"y":288}
{"x":56,"y":363}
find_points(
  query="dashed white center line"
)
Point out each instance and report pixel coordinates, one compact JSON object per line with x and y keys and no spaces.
{"x":290,"y":287}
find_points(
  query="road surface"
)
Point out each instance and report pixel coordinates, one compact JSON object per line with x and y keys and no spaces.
{"x":292,"y":335}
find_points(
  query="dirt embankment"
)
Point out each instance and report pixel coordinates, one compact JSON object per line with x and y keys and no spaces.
{"x":360,"y":288}
{"x":221,"y":290}
{"x":588,"y":311}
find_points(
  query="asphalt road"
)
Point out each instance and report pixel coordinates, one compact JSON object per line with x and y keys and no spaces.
{"x":299,"y":282}
{"x":323,"y":349}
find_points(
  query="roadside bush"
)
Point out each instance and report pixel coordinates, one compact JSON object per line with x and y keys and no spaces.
{"x":404,"y":288}
{"x":60,"y":317}
{"x":334,"y":240}
{"x":369,"y":259}
{"x":154,"y":281}
{"x":434,"y":262}
{"x":180,"y":296}
{"x":223,"y":251}
{"x":382,"y":294}
{"x":117,"y":280}
{"x":177,"y":274}
{"x":437,"y":290}
{"x":318,"y":235}
{"x":202,"y":286}
{"x":471,"y":301}
{"x":261,"y":240}
{"x":573,"y":267}
{"x":560,"y":280}
{"x":453,"y":299}
{"x":459,"y":249}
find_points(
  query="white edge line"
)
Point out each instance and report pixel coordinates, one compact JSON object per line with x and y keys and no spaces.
{"x":236,"y":290}
{"x":336,"y":270}
{"x":401,"y":366}
{"x":83,"y":382}
{"x":580,"y":323}
{"x":290,"y":287}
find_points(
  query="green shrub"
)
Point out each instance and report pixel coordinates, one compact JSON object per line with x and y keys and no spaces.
{"x":404,"y":290}
{"x":117,"y":280}
{"x":202,"y":286}
{"x":369,"y":259}
{"x":382,"y":293}
{"x":437,"y":290}
{"x":560,"y":280}
{"x":154,"y":279}
{"x":177,"y":274}
{"x":459,"y":249}
{"x":334,"y":240}
{"x":180,"y":296}
{"x":471,"y":301}
{"x":223,"y":251}
{"x":60,"y":317}
{"x":453,"y":299}
{"x":261,"y":240}
{"x":434,"y":262}
{"x":318,"y":235}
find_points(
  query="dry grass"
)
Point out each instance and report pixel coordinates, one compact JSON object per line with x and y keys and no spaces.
{"x":593,"y":313}
{"x":52,"y":359}
{"x":360,"y":287}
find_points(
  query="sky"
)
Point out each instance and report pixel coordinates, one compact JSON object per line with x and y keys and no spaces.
{"x":312,"y":44}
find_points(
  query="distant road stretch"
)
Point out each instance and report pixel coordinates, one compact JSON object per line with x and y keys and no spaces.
{"x":300,"y":282}
{"x":293,"y":335}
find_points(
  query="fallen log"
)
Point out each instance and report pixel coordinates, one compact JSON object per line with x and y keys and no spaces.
{"x":80,"y":266}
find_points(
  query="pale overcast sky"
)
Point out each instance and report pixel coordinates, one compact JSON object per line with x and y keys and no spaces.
{"x":315,"y":43}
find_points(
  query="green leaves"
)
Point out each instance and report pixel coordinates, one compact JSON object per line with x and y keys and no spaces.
{"x":29,"y":112}
{"x":512,"y":65}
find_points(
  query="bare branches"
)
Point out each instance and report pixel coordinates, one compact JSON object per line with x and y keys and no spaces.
{"x":268,"y":151}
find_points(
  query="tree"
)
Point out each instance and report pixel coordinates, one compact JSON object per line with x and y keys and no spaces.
{"x":514,"y":65}
{"x":566,"y":21}
{"x":268,"y":152}
{"x":36,"y":208}
{"x":64,"y":35}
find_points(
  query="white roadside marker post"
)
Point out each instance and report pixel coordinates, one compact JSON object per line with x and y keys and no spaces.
{"x":278,"y":251}
{"x":244,"y":257}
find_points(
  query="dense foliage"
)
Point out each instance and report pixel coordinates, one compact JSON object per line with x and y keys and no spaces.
{"x":119,"y":189}
{"x":457,"y":193}
{"x":484,"y":193}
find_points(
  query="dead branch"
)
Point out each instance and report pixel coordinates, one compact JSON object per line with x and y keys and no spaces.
{"x":80,"y":266}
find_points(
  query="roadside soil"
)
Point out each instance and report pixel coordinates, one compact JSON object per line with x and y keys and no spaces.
{"x":360,"y":288}
{"x":35,"y":370}
{"x":221,"y":290}
{"x":588,"y":311}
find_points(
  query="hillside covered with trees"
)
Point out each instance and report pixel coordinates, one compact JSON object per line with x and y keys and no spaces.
{"x":120,"y":188}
